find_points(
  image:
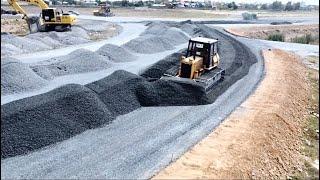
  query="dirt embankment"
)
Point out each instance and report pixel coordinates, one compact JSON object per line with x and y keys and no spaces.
{"x":261,"y":138}
{"x":290,"y":32}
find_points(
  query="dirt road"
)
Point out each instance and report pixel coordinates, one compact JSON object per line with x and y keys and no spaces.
{"x":261,"y":139}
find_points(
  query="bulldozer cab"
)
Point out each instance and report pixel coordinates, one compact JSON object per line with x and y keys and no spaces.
{"x":202,"y":47}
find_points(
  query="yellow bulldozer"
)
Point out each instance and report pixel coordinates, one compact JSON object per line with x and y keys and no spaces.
{"x":199,"y":64}
{"x":50,"y":19}
{"x":104,"y":10}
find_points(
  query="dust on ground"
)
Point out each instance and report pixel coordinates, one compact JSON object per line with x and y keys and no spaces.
{"x":262,"y":138}
{"x":289,"y":31}
{"x":16,"y":38}
{"x":16,"y":26}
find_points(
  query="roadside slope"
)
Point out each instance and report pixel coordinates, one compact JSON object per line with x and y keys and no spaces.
{"x":261,"y":139}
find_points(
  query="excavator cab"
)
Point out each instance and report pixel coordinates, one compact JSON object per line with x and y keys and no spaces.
{"x":52,"y":19}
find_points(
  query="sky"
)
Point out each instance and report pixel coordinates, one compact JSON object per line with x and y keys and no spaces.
{"x":308,"y":2}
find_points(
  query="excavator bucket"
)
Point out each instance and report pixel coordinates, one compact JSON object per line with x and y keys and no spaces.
{"x":33,"y":24}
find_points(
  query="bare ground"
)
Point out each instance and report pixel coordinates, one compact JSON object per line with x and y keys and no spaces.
{"x":16,"y":26}
{"x":262,"y":138}
{"x":289,"y":31}
{"x":174,"y":13}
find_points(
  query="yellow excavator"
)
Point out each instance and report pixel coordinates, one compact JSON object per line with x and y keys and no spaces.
{"x":199,"y":64}
{"x":50,"y":19}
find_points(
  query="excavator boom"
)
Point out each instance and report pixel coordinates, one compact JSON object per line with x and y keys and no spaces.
{"x":50,"y":18}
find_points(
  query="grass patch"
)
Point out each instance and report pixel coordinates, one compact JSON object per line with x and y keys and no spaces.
{"x":313,"y":59}
{"x":249,"y":16}
{"x":305,"y":39}
{"x":311,"y":131}
{"x":276,"y":37}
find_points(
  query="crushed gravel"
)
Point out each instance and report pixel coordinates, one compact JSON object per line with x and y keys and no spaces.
{"x":117,"y":94}
{"x":79,"y":34}
{"x":156,"y":38}
{"x":191,"y":29}
{"x":117,"y":91}
{"x":44,"y":38}
{"x":116,"y":53}
{"x":155,"y":28}
{"x":18,"y":77}
{"x":149,"y":44}
{"x":78,"y":61}
{"x":9,"y":49}
{"x":24,"y":44}
{"x":175,"y":36}
{"x":38,"y":121}
{"x":164,"y":92}
{"x":45,"y":119}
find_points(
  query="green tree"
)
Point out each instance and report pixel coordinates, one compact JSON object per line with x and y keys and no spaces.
{"x":232,"y":5}
{"x":289,"y":6}
{"x":296,"y":6}
{"x":277,"y":5}
{"x":264,"y":6}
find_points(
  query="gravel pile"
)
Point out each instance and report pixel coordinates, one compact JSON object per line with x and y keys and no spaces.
{"x":12,"y":44}
{"x":22,"y":43}
{"x":156,"y":38}
{"x":18,"y":77}
{"x":76,"y":36}
{"x":116,"y":53}
{"x":9,"y":49}
{"x":43,"y":72}
{"x":117,"y":91}
{"x":158,"y":69}
{"x":91,"y":25}
{"x":155,"y":28}
{"x":35,"y":122}
{"x":191,"y":29}
{"x":78,"y":61}
{"x":164,"y":92}
{"x":175,"y":36}
{"x":32,"y":123}
{"x":44,"y":38}
{"x":149,"y":44}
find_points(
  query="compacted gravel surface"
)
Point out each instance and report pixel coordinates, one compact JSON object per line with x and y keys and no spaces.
{"x":126,"y":139}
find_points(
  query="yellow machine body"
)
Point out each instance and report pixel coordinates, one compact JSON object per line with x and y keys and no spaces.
{"x":200,"y":64}
{"x":57,"y":18}
{"x":50,"y":19}
{"x":196,"y":64}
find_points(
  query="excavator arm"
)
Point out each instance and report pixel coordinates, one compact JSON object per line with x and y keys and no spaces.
{"x":19,"y":9}
{"x":48,"y":20}
{"x":31,"y":21}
